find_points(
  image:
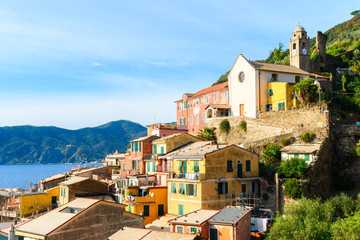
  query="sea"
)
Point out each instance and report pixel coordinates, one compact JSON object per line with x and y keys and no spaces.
{"x":20,"y":175}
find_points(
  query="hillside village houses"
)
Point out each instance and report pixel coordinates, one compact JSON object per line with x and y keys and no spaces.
{"x":172,"y":172}
{"x":253,"y":87}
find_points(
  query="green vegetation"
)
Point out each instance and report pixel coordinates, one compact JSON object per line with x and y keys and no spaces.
{"x":271,"y":154}
{"x":357,"y":149}
{"x":208,"y":134}
{"x":224,"y":126}
{"x":306,"y":91}
{"x":292,"y":188}
{"x":279,"y":56}
{"x":294,"y":168}
{"x":243,"y":125}
{"x":222,"y":79}
{"x":286,"y":141}
{"x":336,"y":218}
{"x":30,"y":145}
{"x":307,"y":137}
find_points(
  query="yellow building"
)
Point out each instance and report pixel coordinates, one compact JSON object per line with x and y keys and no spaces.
{"x":147,"y":201}
{"x":281,"y":96}
{"x":211,"y":177}
{"x":35,"y":202}
{"x":164,"y":145}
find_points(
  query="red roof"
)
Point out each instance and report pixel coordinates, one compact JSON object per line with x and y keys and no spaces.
{"x":211,"y":89}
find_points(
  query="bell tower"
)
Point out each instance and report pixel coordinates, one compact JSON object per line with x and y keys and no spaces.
{"x":300,"y":49}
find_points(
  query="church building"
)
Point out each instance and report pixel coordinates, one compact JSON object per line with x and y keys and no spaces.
{"x":253,"y":87}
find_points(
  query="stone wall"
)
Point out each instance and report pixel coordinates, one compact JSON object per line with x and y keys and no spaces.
{"x":274,"y":125}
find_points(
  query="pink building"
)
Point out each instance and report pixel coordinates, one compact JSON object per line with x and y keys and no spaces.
{"x":163,"y":130}
{"x":193,"y":110}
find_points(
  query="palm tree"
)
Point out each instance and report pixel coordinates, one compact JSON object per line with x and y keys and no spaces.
{"x":208,"y":134}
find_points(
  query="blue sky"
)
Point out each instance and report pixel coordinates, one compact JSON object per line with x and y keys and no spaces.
{"x":76,"y":64}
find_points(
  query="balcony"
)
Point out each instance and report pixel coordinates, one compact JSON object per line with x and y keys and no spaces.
{"x":140,"y":199}
{"x":189,"y":176}
{"x":250,"y":174}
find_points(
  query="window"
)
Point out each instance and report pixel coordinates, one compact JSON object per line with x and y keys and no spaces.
{"x":155,"y":149}
{"x":204,"y":117}
{"x":146,"y":210}
{"x":269,"y":107}
{"x":226,"y":95}
{"x":124,"y":167}
{"x":193,"y":230}
{"x":185,"y":105}
{"x":139,"y":146}
{"x":154,"y":167}
{"x":197,"y":118}
{"x":162,"y":150}
{"x":136,"y":147}
{"x":147,"y":167}
{"x":132,"y":147}
{"x":191,"y":189}
{"x":215,"y":97}
{"x":281,"y":106}
{"x":274,"y":77}
{"x":229,"y":166}
{"x":207,"y":99}
{"x":222,"y":187}
{"x":297,"y":79}
{"x":138,"y":165}
{"x":248,"y":165}
{"x":173,"y":187}
{"x":178,"y":107}
{"x":191,"y":119}
{"x":307,"y":157}
{"x":181,"y":188}
{"x":243,"y":188}
{"x":180,"y":209}
{"x":213,"y":234}
{"x":133,"y":164}
{"x":179,"y":229}
{"x":200,"y":100}
{"x":271,"y":92}
{"x":161,"y":210}
{"x":196,"y":166}
{"x":241,"y":77}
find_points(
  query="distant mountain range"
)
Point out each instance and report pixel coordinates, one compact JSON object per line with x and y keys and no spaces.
{"x":29,"y":144}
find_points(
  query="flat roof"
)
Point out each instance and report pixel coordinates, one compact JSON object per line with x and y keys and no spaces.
{"x":48,"y":222}
{"x":229,"y":215}
{"x":148,"y":234}
{"x":73,"y":180}
{"x":301,"y":148}
{"x":197,"y":217}
{"x":161,"y":224}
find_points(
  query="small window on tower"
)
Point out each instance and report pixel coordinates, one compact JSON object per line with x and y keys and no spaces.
{"x":273,"y":77}
{"x":294,"y":46}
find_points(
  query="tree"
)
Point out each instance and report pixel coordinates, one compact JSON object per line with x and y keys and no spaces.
{"x":306,"y":91}
{"x":208,"y":134}
{"x":294,"y":167}
{"x":348,"y":228}
{"x":292,"y":188}
{"x":271,"y":154}
{"x":357,"y":149}
{"x":355,"y":13}
{"x":356,"y":66}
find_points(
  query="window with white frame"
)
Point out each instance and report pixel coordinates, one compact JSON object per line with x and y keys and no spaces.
{"x":204,"y":117}
{"x":191,"y":119}
{"x":215,"y":97}
{"x":179,"y":229}
{"x":207,"y":99}
{"x":200,"y":100}
{"x":197,"y":118}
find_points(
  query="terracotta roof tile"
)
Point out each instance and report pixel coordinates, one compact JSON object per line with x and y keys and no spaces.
{"x":211,"y":89}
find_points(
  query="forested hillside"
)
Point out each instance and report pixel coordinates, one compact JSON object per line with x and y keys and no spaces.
{"x":29,"y":144}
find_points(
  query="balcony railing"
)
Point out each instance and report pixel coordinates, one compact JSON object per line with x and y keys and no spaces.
{"x":189,"y":176}
{"x":141,"y":199}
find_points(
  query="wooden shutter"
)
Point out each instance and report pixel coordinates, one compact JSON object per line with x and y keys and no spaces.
{"x":194,"y":189}
{"x":219,"y":187}
{"x":187,"y":189}
{"x":226,"y":187}
{"x":248,"y":165}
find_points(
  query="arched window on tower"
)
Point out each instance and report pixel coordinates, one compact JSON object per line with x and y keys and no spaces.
{"x":294,"y":46}
{"x":303,"y":45}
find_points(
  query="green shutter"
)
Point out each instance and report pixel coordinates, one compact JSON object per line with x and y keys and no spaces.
{"x":155,"y":149}
{"x":147,"y":167}
{"x":180,"y":209}
{"x":123,"y":167}
{"x":173,"y":187}
{"x":248,"y":165}
{"x":139,"y":146}
{"x":162,"y":150}
{"x":154,"y":167}
{"x":229,"y":166}
{"x":219,"y":187}
{"x":138,"y":165}
{"x":187,"y":189}
{"x":132,"y":147}
{"x":307,"y":157}
{"x":194,"y":190}
{"x":146,"y":210}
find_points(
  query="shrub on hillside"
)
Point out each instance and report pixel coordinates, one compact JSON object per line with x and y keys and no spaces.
{"x":243,"y":125}
{"x":224,"y":126}
{"x":306,"y":91}
{"x":307,"y":137}
{"x":271,"y":154}
{"x":286,"y":141}
{"x":292,"y":188}
{"x":294,"y":167}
